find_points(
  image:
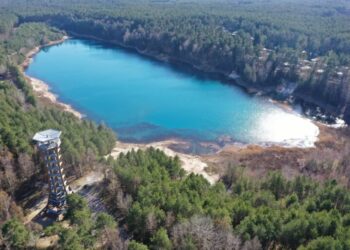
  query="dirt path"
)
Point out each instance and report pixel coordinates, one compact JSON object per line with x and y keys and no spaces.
{"x":190,"y":163}
{"x":77,"y":186}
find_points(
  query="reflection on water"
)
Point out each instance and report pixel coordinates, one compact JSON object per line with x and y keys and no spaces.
{"x":285,"y":128}
{"x":144,"y":100}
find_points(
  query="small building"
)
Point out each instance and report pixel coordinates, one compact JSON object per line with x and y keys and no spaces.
{"x":234,"y":75}
{"x":306,"y":67}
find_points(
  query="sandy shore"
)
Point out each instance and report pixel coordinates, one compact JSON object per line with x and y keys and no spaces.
{"x":41,"y":88}
{"x":190,"y":163}
{"x":34,"y":51}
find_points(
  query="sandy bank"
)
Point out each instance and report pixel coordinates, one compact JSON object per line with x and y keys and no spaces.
{"x":35,"y":50}
{"x":42,"y":89}
{"x":190,"y":163}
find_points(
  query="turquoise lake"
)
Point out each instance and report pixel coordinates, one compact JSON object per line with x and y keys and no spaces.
{"x":144,"y":100}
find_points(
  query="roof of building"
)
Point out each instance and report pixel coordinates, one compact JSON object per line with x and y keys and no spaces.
{"x":47,"y":135}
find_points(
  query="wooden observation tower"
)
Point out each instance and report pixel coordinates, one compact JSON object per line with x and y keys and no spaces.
{"x":48,"y":143}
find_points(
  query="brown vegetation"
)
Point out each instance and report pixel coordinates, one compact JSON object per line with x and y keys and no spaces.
{"x":328,"y":159}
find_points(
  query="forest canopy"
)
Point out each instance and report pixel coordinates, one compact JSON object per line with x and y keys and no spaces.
{"x":149,"y":193}
{"x":151,"y":202}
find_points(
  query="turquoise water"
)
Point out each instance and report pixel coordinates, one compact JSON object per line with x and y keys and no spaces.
{"x":144,"y":100}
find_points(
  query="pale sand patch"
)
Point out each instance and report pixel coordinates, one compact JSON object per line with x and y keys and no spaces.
{"x":43,"y":90}
{"x":46,"y":242}
{"x":190,"y":163}
{"x":89,"y":179}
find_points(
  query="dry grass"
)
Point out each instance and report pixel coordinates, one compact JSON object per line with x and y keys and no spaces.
{"x":329,"y":153}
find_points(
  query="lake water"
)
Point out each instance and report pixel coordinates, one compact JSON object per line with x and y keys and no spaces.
{"x":144,"y":100}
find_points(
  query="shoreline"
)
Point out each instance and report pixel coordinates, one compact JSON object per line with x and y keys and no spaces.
{"x":41,"y":88}
{"x":225,"y":78}
{"x":196,"y":163}
{"x":190,"y":163}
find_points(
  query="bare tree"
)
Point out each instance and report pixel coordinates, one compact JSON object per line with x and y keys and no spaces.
{"x":8,"y":208}
{"x":26,"y":166}
{"x":253,"y":244}
{"x":111,"y":240}
{"x":5,"y":204}
{"x":8,"y":177}
{"x":123,"y":203}
{"x":151,"y":223}
{"x":202,"y":232}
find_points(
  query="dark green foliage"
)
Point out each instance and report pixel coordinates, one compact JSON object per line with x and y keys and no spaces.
{"x":76,"y":203}
{"x":161,"y":241}
{"x":162,"y":198}
{"x":15,"y":233}
{"x":70,"y":240}
{"x":276,"y":184}
{"x":53,"y":229}
{"x":26,"y":37}
{"x":7,"y":21}
{"x":133,"y":245}
{"x":79,"y":214}
{"x":324,"y":243}
{"x":159,"y":206}
{"x":289,"y":213}
{"x":105,"y":220}
{"x":85,"y":229}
